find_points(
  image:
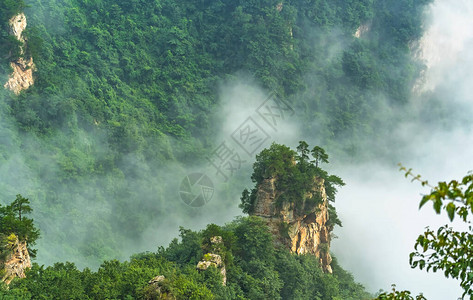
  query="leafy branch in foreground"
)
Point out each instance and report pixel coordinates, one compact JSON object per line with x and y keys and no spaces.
{"x":447,"y":249}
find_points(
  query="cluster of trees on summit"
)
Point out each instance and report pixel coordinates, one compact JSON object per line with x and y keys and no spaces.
{"x":295,"y":174}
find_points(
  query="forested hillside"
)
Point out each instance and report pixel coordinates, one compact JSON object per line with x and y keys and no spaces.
{"x":242,"y":260}
{"x":255,"y":270}
{"x":126,"y":93}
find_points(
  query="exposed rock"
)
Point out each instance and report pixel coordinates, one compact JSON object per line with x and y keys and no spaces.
{"x":157,"y":290}
{"x":216,"y":240}
{"x":301,"y":233}
{"x":361,"y":30}
{"x":265,"y":198}
{"x":17,"y":26}
{"x":17,"y":261}
{"x":22,"y":76}
{"x":208,"y":260}
{"x":213,"y":259}
{"x":157,"y":280}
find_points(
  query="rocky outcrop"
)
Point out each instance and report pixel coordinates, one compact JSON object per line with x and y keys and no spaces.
{"x":214,"y":259}
{"x":157,"y":289}
{"x":156,"y":281}
{"x":303,"y":229}
{"x":22,"y":76}
{"x":17,"y":260}
{"x":361,"y":30}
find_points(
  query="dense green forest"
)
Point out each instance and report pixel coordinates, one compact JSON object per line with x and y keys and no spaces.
{"x":126,"y":92}
{"x":125,"y":101}
{"x":256,"y":269}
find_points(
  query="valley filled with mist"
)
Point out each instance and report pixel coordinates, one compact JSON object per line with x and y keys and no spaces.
{"x":131,"y":103}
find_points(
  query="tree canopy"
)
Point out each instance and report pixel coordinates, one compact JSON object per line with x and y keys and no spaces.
{"x":256,"y":269}
{"x":13,"y":220}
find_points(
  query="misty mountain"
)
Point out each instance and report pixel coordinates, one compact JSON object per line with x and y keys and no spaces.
{"x":132,"y":99}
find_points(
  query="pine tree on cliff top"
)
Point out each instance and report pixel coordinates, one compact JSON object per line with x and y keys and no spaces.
{"x":295,"y":175}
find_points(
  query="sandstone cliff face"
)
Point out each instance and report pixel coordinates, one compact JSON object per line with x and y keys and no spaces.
{"x":302,"y":233}
{"x":17,"y":261}
{"x":22,"y":76}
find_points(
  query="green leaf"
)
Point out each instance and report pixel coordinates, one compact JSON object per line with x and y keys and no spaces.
{"x":437,"y":205}
{"x":411,"y":256}
{"x":451,"y":210}
{"x":424,"y":200}
{"x":421,"y":264}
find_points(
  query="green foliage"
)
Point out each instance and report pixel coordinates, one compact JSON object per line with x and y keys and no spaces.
{"x":254,"y":241}
{"x":284,"y":230}
{"x":320,"y":156}
{"x":9,"y":45}
{"x":398,"y":295}
{"x":303,"y":278}
{"x":184,"y":289}
{"x":303,"y":151}
{"x":113,"y":280}
{"x":333,"y":217}
{"x":10,"y":8}
{"x":445,"y":249}
{"x":259,"y":271}
{"x":248,"y":201}
{"x":271,"y":162}
{"x":13,"y":222}
{"x":189,"y":251}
